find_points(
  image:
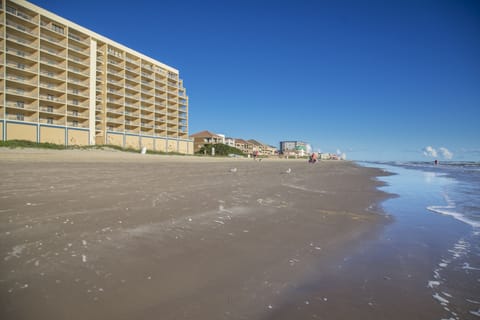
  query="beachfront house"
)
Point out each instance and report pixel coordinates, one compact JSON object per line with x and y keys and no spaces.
{"x":202,"y":138}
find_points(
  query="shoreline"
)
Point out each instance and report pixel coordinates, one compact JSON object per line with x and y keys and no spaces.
{"x":108,"y":235}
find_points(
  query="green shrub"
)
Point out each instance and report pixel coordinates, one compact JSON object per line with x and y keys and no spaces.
{"x":30,"y":144}
{"x":220,"y":150}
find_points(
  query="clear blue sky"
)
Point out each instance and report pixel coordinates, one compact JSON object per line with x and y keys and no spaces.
{"x":378,"y":80}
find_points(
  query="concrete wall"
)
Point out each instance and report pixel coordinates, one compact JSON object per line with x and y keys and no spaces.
{"x":115,"y":139}
{"x":132,"y":142}
{"x":78,"y":137}
{"x":190,"y":147}
{"x":160,"y":145}
{"x":172,"y":146}
{"x":183,"y":147}
{"x":17,"y":131}
{"x":147,"y":142}
{"x":52,"y":135}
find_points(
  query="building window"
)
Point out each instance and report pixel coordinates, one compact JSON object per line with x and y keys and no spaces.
{"x":20,"y":117}
{"x":75,"y":37}
{"x":11,"y":10}
{"x":50,"y":120}
{"x":75,"y":123}
{"x":20,"y":104}
{"x":20,"y":91}
{"x":75,"y":112}
{"x":50,"y":97}
{"x":57,"y":28}
{"x":75,"y":102}
{"x":75,"y":91}
{"x":49,"y":109}
{"x":20,"y":66}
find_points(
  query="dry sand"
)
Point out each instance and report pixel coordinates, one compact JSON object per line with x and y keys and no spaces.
{"x":111,"y":235}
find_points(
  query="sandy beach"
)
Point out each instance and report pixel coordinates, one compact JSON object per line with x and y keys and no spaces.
{"x":111,"y":235}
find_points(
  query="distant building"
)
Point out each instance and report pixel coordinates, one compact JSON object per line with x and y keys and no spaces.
{"x":292,"y":148}
{"x":257,"y":146}
{"x":230,"y":142}
{"x":270,"y":150}
{"x":243,"y":145}
{"x":331,"y":156}
{"x":202,"y":138}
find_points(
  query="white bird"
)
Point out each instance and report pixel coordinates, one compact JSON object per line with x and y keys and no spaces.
{"x":288,"y":170}
{"x":233,"y":170}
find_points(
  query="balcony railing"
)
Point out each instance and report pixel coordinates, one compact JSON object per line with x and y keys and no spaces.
{"x":19,"y":13}
{"x":19,"y":27}
{"x":21,"y":92}
{"x":52,"y":40}
{"x":22,"y":106}
{"x":77,"y":38}
{"x":21,"y":40}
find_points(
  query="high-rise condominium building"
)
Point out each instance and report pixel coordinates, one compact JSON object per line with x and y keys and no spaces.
{"x":64,"y":84}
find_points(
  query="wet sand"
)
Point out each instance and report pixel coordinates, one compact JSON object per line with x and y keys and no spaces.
{"x":111,"y":235}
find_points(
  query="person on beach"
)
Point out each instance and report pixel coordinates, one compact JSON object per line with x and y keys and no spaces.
{"x":313,"y":158}
{"x":255,"y":155}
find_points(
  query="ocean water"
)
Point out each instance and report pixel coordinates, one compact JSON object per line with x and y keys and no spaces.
{"x":459,"y":184}
{"x":437,"y":216}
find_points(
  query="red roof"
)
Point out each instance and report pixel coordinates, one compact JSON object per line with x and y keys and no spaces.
{"x":205,"y":134}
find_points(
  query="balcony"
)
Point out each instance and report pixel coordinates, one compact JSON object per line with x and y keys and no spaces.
{"x":76,"y":92}
{"x":78,"y":71}
{"x":53,"y":40}
{"x":78,"y":39}
{"x":22,"y":117}
{"x":21,"y":93}
{"x":52,"y":99}
{"x":52,"y":110}
{"x":132,"y":123}
{"x":131,"y":105}
{"x":132,"y":61}
{"x":115,"y":120}
{"x":21,"y":53}
{"x":78,"y":82}
{"x":21,"y":14}
{"x":76,"y":114}
{"x":132,"y":114}
{"x":115,"y":111}
{"x":77,"y":124}
{"x":53,"y":87}
{"x":114,"y":73}
{"x":21,"y":66}
{"x":21,"y":28}
{"x":20,"y":105}
{"x":22,"y":80}
{"x":82,"y":62}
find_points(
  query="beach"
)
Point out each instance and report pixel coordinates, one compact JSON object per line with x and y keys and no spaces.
{"x":113,"y":235}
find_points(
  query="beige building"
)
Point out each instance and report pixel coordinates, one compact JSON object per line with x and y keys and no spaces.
{"x":263,"y":149}
{"x":243,"y":145}
{"x":202,"y":138}
{"x":64,"y":84}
